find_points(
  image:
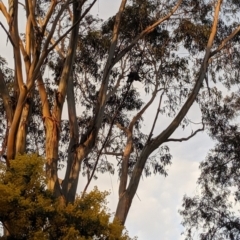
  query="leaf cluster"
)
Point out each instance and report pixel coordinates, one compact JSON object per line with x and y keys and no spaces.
{"x":215,"y":212}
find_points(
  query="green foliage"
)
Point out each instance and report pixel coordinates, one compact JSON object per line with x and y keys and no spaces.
{"x":29,"y":211}
{"x":214,"y":213}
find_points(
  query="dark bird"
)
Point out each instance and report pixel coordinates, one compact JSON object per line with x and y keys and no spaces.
{"x":133,"y":76}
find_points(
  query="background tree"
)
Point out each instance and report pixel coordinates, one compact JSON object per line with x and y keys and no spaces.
{"x":214,"y":211}
{"x":100,"y":69}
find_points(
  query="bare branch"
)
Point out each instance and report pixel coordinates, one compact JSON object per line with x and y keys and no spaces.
{"x":113,"y":153}
{"x":125,"y":164}
{"x":31,"y":6}
{"x":25,"y":55}
{"x":53,"y":42}
{"x":48,"y":15}
{"x":43,"y":97}
{"x":185,"y":139}
{"x":45,"y":51}
{"x":73,"y":26}
{"x":156,"y":117}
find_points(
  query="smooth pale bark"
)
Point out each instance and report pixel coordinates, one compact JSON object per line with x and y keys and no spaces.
{"x":22,"y":128}
{"x":53,"y":123}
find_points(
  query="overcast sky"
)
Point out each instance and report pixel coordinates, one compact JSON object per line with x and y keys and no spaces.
{"x":154,"y":213}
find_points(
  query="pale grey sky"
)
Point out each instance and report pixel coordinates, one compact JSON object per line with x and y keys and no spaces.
{"x":154,"y":213}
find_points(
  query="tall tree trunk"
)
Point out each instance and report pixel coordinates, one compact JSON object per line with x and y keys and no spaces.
{"x":124,"y":165}
{"x":52,"y":139}
{"x":68,"y":191}
{"x":53,"y":123}
{"x":22,"y":128}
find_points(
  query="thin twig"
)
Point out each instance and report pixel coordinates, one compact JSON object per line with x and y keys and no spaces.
{"x":7,"y":34}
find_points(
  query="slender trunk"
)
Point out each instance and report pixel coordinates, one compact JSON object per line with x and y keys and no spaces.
{"x":22,"y":128}
{"x":52,"y":139}
{"x":125,"y":161}
{"x":124,"y":204}
{"x":69,"y":193}
{"x":125,"y":200}
{"x":13,"y":29}
{"x":11,"y":144}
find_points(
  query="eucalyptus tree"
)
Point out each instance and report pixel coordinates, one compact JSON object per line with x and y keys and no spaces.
{"x":213,"y":213}
{"x":100,"y":68}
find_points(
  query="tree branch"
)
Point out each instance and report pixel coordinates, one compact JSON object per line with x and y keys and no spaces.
{"x":156,"y":117}
{"x":106,"y":139}
{"x":48,"y":15}
{"x":9,"y":36}
{"x":113,"y":154}
{"x":104,"y":84}
{"x":162,"y":137}
{"x":44,"y":98}
{"x":185,"y":139}
{"x":71,"y":28}
{"x":45,"y":51}
{"x":225,"y":41}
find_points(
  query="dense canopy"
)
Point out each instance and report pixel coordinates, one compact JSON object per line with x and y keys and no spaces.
{"x":164,"y":55}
